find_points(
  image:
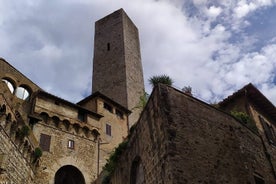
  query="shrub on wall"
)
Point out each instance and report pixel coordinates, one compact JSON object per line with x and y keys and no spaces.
{"x":110,"y":166}
{"x":245,"y":119}
{"x":24,"y":131}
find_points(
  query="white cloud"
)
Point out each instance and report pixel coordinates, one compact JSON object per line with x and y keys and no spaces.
{"x":194,"y":45}
{"x":214,"y":11}
{"x":243,"y":8}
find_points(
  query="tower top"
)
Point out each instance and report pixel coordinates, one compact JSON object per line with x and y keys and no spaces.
{"x":120,"y":12}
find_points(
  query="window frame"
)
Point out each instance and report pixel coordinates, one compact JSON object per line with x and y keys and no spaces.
{"x":82,"y":116}
{"x":108,"y":107}
{"x":108,"y":129}
{"x":45,"y":142}
{"x":71,"y":144}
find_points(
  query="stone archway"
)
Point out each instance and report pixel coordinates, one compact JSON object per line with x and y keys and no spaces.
{"x":69,"y":175}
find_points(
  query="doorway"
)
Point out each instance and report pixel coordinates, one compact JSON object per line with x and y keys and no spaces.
{"x":69,"y":175}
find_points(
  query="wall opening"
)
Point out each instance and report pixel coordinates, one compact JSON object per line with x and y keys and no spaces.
{"x":137,"y":172}
{"x":108,"y":46}
{"x":9,"y":83}
{"x":69,"y":175}
{"x":22,"y":92}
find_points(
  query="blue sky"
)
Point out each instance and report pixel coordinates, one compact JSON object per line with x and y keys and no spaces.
{"x":216,"y":47}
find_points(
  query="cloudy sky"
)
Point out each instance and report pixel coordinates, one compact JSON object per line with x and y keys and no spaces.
{"x":214,"y":46}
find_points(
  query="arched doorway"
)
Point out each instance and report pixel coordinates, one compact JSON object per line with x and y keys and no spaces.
{"x":137,"y":172}
{"x":69,"y":175}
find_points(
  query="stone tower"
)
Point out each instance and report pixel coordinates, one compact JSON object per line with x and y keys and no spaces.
{"x":117,"y":67}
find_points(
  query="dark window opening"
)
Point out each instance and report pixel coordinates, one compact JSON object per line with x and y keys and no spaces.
{"x":269,"y":131}
{"x":137,"y":172}
{"x":119,"y":114}
{"x":82,"y":116}
{"x":258,"y":179}
{"x":3,"y":109}
{"x":108,"y":107}
{"x":108,"y":46}
{"x":45,"y":141}
{"x":32,"y":122}
{"x":71,"y":144}
{"x":108,"y":129}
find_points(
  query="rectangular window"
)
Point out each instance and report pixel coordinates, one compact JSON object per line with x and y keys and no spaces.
{"x":71,"y":144}
{"x":108,"y":46}
{"x":45,"y":141}
{"x":108,"y":129}
{"x":269,"y":131}
{"x":119,"y":114}
{"x":108,"y":107}
{"x":82,"y":116}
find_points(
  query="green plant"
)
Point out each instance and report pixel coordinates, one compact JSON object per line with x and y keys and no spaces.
{"x":142,"y":101}
{"x":187,"y":90}
{"x":106,"y":179}
{"x":37,"y":153}
{"x":110,"y":166}
{"x":112,"y":161}
{"x":245,"y":119}
{"x":24,"y":131}
{"x":163,"y":79}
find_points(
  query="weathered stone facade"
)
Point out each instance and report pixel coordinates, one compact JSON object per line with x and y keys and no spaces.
{"x":117,"y":68}
{"x":17,"y":162}
{"x":180,"y":139}
{"x":74,"y":137}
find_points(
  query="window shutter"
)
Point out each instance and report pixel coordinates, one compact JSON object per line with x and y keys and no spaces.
{"x":45,"y":141}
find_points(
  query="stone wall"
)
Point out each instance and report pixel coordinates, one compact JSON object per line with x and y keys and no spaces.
{"x":82,"y":156}
{"x":60,"y":123}
{"x":16,"y":163}
{"x":180,"y":139}
{"x":17,"y":78}
{"x":117,"y":122}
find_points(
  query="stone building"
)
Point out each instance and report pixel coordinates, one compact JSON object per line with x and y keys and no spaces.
{"x":70,"y":135}
{"x":180,"y":139}
{"x":177,"y":138}
{"x":76,"y":139}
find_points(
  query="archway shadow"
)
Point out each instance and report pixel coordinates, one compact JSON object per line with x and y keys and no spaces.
{"x":69,"y":175}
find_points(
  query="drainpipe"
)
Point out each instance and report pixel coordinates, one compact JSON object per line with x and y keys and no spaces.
{"x":98,"y":160}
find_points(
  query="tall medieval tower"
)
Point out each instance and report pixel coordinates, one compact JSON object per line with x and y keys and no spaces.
{"x":117,"y":67}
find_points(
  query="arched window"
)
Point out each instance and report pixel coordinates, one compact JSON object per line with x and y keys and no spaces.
{"x":137,"y":172}
{"x":9,"y":83}
{"x":22,"y":93}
